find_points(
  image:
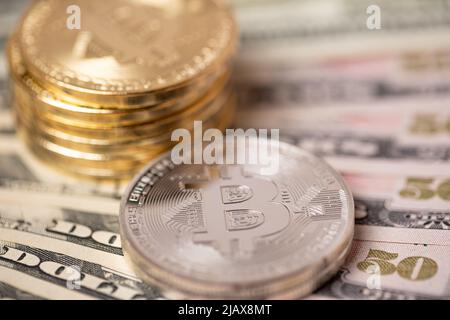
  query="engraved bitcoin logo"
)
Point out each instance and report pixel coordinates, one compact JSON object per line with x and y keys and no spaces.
{"x":243,"y":219}
{"x":239,"y":210}
{"x":235,"y":194}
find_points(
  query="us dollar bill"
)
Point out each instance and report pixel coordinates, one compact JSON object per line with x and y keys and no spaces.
{"x":19,"y":166}
{"x":297,"y":53}
{"x":402,"y":234}
{"x":5,"y":117}
{"x":54,"y":195}
{"x":296,"y":30}
{"x":10,"y":13}
{"x":348,"y":17}
{"x":373,"y":155}
{"x":59,"y":237}
{"x":376,"y":212}
{"x":394,"y":266}
{"x":8,"y":292}
{"x":412,"y":121}
{"x":395,"y":137}
{"x":357,"y":80}
{"x":88,"y":239}
{"x":421,"y":202}
{"x":5,"y":124}
{"x":74,"y":278}
{"x":89,"y":236}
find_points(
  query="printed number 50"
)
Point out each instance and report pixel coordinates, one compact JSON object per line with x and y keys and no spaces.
{"x":411,"y":268}
{"x":419,"y":188}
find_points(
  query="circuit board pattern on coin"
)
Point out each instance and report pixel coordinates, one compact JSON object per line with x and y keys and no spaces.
{"x":231,"y":225}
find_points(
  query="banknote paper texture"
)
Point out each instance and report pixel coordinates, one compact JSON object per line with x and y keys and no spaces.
{"x":374,"y":105}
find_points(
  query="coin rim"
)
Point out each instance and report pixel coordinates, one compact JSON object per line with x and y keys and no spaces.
{"x":177,"y":284}
{"x":84,"y":93}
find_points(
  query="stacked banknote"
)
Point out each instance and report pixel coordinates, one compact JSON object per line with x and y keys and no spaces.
{"x":103,"y":100}
{"x":373,"y":103}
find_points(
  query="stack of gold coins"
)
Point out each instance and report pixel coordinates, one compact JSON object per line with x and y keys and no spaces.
{"x":99,"y":86}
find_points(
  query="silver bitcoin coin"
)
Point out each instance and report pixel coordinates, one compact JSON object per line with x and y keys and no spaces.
{"x":231,"y":232}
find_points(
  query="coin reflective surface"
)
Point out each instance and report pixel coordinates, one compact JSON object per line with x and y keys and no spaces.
{"x":228,"y":231}
{"x":103,"y":100}
{"x":136,"y":46}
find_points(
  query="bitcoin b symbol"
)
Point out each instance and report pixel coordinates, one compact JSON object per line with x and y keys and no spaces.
{"x":239,"y":209}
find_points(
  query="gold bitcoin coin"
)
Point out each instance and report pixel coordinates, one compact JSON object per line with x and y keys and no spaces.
{"x":45,"y":111}
{"x":26,"y":85}
{"x":104,"y":100}
{"x":135,"y":50}
{"x":65,"y":166}
{"x":220,"y":105}
{"x":132,"y":146}
{"x":91,"y":165}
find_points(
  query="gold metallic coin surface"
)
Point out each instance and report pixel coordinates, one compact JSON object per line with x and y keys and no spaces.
{"x":135,"y":47}
{"x":98,"y":165}
{"x":47,"y":102}
{"x":102,"y":100}
{"x":220,"y":105}
{"x":66,"y":166}
{"x":116,"y":143}
{"x":51,"y":109}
